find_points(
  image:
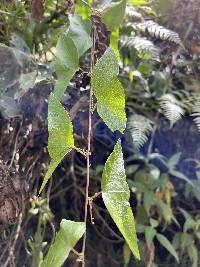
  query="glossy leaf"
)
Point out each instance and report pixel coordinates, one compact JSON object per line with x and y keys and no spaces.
{"x":67,"y":237}
{"x":115,"y":193}
{"x":60,"y":140}
{"x":109,"y":91}
{"x":165,"y":242}
{"x":113,"y":14}
{"x":79,"y":31}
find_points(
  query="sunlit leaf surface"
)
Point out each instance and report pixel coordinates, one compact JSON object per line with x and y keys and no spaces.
{"x":109,"y":91}
{"x":116,"y":194}
{"x":67,"y":237}
{"x":61,"y":139}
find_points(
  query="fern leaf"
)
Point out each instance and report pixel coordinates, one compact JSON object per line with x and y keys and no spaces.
{"x":196,"y":113}
{"x":139,"y":127}
{"x":144,"y":47}
{"x":171,"y":108}
{"x":132,"y":13}
{"x":158,"y":31}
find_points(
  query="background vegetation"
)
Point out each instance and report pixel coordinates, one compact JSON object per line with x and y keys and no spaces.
{"x":159,"y":46}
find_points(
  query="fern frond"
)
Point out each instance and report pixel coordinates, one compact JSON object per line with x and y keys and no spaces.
{"x":143,"y":47}
{"x":139,"y":127}
{"x":132,"y":13}
{"x":196,"y":113}
{"x":171,"y":108}
{"x":158,"y":31}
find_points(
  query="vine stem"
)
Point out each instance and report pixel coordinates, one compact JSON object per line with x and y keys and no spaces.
{"x":88,"y":150}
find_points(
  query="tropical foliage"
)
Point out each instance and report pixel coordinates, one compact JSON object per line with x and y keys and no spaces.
{"x":100,"y":113}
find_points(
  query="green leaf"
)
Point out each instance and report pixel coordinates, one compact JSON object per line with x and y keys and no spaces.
{"x":83,"y":9}
{"x":173,"y":161}
{"x":61,"y":139}
{"x":150,"y":232}
{"x":193,"y":254}
{"x":66,"y":52}
{"x":69,"y":48}
{"x":66,"y":238}
{"x":64,"y":75}
{"x":79,"y":31}
{"x":154,"y":223}
{"x":66,"y":63}
{"x":113,"y":14}
{"x":116,"y":194}
{"x":180,"y":175}
{"x":164,"y":210}
{"x":165,"y":242}
{"x":149,"y":200}
{"x":126,"y":254}
{"x":26,"y":82}
{"x":109,"y":91}
{"x":189,"y":224}
{"x":186,"y":240}
{"x":114,"y":40}
{"x":138,"y":2}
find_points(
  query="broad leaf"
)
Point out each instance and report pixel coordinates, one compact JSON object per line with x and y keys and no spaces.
{"x":83,"y":9}
{"x":109,"y":91}
{"x":116,"y":194}
{"x":60,"y":140}
{"x":66,"y":63}
{"x":69,"y":48}
{"x":67,"y":237}
{"x":66,"y":52}
{"x":113,"y":14}
{"x":165,"y":242}
{"x":79,"y":31}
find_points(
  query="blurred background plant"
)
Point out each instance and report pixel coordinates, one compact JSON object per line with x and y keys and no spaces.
{"x":159,"y":45}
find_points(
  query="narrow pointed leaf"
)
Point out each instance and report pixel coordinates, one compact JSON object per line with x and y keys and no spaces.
{"x":114,"y":40}
{"x":138,"y":2}
{"x":116,"y":194}
{"x":79,"y":31}
{"x":109,"y":91}
{"x":165,"y":242}
{"x":60,"y":140}
{"x":66,"y":238}
{"x":113,"y":14}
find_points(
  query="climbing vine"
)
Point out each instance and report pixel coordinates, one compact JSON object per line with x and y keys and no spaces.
{"x":106,"y":96}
